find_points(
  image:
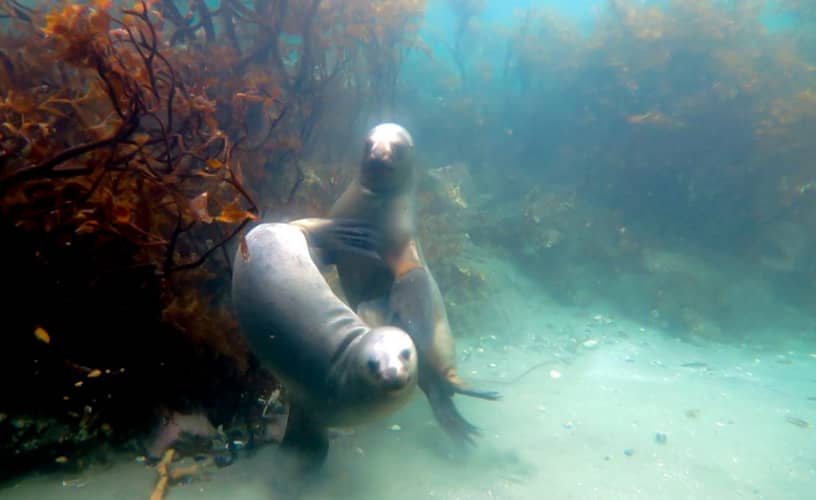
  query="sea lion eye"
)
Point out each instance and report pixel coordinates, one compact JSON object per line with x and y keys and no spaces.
{"x":405,"y":354}
{"x":373,"y":366}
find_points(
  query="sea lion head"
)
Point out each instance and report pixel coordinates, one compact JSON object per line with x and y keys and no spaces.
{"x":387,"y":158}
{"x":390,"y":359}
{"x":383,"y":372}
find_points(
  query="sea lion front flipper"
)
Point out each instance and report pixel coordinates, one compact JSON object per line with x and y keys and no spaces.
{"x":413,"y":283}
{"x":341,"y":235}
{"x":411,"y":307}
{"x":307,"y":440}
{"x":301,"y":455}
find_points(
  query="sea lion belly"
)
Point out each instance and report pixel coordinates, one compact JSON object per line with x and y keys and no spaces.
{"x":364,"y":278}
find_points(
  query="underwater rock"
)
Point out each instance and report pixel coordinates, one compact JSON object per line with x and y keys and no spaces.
{"x":452,"y":185}
{"x":784,"y":246}
{"x":590,"y":344}
{"x":28,"y":440}
{"x":173,"y":427}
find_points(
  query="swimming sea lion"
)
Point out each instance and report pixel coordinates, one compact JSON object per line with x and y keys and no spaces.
{"x":335,"y":369}
{"x":400,"y":285}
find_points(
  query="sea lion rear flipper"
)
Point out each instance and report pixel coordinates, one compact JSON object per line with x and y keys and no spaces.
{"x":478,"y":393}
{"x":459,"y":386}
{"x":449,"y":418}
{"x":341,"y":235}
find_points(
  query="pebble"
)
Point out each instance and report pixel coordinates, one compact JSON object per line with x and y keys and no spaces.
{"x":396,"y":427}
{"x":74,"y":483}
{"x":661,"y":438}
{"x":590,"y":344}
{"x":555,"y":374}
{"x":628,"y":452}
{"x":797,"y":421}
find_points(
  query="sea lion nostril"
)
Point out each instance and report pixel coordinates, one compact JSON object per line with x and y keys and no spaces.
{"x":379,"y":159}
{"x":393,"y":381}
{"x":379,"y":152}
{"x":373,"y":365}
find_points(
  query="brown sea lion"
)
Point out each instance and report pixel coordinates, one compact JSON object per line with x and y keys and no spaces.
{"x":335,"y":369}
{"x":399,"y":287}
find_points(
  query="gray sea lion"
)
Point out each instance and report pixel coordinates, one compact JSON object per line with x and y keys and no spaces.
{"x":335,"y":369}
{"x":399,"y":287}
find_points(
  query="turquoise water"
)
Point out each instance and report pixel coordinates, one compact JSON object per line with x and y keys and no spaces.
{"x":617,"y":200}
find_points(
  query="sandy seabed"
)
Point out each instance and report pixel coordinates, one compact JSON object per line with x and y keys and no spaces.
{"x":614,"y":410}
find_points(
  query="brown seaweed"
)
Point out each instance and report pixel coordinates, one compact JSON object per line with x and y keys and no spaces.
{"x":135,"y":145}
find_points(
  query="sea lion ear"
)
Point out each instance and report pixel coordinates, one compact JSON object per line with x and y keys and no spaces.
{"x":341,"y":235}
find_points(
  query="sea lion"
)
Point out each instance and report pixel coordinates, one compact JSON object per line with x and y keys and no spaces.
{"x":399,"y":287}
{"x":335,"y":369}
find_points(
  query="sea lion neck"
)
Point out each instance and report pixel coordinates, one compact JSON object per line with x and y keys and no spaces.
{"x":400,"y":181}
{"x":390,"y":193}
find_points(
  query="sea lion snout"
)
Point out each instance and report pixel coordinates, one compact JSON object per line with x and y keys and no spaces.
{"x":381,"y":153}
{"x":394,"y":381}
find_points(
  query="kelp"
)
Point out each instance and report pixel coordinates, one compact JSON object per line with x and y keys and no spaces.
{"x":144,"y":141}
{"x":137,"y":142}
{"x":683,"y":124}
